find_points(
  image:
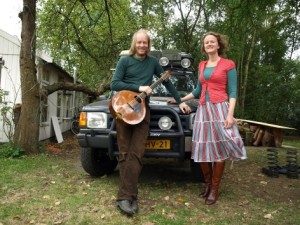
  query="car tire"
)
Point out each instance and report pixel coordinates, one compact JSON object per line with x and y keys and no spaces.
{"x":196,"y":171}
{"x":96,"y":163}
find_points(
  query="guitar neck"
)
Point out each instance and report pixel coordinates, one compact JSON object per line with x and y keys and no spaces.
{"x":156,"y":83}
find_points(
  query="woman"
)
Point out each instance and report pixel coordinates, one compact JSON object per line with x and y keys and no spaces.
{"x":215,"y":134}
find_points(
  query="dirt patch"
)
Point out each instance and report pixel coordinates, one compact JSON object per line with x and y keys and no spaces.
{"x":69,"y":148}
{"x":245,"y":175}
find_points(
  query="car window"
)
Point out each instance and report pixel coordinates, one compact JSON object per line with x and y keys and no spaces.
{"x":184,"y":84}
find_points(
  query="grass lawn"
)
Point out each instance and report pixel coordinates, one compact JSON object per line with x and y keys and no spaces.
{"x":54,"y":189}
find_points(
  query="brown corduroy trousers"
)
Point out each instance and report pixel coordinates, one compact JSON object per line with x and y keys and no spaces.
{"x":131,"y":142}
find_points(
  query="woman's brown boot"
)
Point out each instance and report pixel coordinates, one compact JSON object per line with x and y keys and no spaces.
{"x":218,"y":169}
{"x":206,"y":168}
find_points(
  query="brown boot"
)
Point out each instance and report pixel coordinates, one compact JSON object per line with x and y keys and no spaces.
{"x":218,"y":169}
{"x":206,"y":168}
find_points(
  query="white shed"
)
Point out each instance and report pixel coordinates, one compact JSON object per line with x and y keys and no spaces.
{"x":60,"y":104}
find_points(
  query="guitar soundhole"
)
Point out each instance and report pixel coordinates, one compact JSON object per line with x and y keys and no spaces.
{"x":138,"y":99}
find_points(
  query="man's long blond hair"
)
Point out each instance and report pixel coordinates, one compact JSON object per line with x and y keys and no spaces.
{"x":132,"y":50}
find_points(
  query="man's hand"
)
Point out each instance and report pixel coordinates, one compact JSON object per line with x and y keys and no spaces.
{"x":145,"y":89}
{"x":172,"y":101}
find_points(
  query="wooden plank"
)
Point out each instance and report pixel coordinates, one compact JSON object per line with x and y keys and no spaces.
{"x":267,"y":124}
{"x":57,"y":129}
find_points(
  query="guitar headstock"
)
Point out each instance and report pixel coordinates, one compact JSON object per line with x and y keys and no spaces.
{"x":165,"y":76}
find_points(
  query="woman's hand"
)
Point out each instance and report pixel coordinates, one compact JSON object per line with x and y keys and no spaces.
{"x":230,"y":120}
{"x":184,"y":108}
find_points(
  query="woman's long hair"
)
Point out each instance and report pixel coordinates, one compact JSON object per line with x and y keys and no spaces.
{"x":222,"y":41}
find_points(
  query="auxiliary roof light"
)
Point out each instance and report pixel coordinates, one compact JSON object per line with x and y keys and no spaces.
{"x":163,"y":61}
{"x":185,"y":63}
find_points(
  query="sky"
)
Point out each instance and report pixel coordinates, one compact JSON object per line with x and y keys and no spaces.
{"x":9,"y":20}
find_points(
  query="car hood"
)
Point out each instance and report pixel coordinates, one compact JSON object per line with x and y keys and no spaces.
{"x":155,"y":102}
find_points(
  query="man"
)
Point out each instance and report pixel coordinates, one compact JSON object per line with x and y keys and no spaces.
{"x":135,"y":73}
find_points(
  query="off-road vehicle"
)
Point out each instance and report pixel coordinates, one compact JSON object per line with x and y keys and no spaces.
{"x":170,"y":130}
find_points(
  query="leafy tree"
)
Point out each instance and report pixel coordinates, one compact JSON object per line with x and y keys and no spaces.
{"x":88,"y":35}
{"x":29,"y":119}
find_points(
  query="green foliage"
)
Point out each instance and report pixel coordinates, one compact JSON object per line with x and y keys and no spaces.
{"x":293,"y":143}
{"x":6,"y":113}
{"x":87,"y":35}
{"x":9,"y":151}
{"x":263,"y":36}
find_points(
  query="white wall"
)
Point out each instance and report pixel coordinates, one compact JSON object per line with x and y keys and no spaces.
{"x":10,"y":73}
{"x":10,"y":82}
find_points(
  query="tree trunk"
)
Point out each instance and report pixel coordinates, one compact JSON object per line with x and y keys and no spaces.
{"x":27,"y":129}
{"x":247,"y":65}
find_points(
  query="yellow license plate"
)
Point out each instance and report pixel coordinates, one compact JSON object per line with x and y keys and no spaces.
{"x":158,"y":144}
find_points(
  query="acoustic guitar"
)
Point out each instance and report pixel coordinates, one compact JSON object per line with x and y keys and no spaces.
{"x":129,"y":106}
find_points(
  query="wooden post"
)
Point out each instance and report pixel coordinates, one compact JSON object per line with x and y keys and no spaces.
{"x":277,"y":137}
{"x":257,"y":142}
{"x":267,"y":139}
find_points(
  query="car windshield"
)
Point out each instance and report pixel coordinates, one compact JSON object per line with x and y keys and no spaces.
{"x":184,"y":84}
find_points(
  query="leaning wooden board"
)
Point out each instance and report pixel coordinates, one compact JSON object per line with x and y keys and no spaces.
{"x":268,"y":130}
{"x":267,"y":124}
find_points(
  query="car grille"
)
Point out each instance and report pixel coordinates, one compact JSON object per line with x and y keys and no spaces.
{"x":179,"y":121}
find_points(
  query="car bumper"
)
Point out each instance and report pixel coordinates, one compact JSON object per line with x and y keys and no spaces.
{"x":99,"y":141}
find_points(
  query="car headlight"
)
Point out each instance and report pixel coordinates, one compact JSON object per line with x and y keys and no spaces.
{"x":97,"y":120}
{"x":165,"y":123}
{"x":163,"y":61}
{"x":185,"y":63}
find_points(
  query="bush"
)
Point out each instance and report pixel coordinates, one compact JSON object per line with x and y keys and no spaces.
{"x":10,"y":151}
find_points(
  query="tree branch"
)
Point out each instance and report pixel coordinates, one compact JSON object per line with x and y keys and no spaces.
{"x":68,"y":86}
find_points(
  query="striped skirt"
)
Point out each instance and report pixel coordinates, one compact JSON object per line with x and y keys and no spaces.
{"x":211,"y":141}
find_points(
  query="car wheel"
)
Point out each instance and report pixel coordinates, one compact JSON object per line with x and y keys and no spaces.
{"x":96,"y":163}
{"x":196,"y":171}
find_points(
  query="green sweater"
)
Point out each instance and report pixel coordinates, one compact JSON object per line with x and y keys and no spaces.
{"x":131,"y":73}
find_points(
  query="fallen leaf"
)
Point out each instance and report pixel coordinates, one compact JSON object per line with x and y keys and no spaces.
{"x":171,"y":216}
{"x":102,"y":216}
{"x":46,"y":197}
{"x":95,"y":209}
{"x":148,"y":223}
{"x":268,"y":216}
{"x":187,"y":204}
{"x":57,"y":203}
{"x":180,"y":200}
{"x":153,"y":206}
{"x":245,"y":202}
{"x":264,"y":182}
